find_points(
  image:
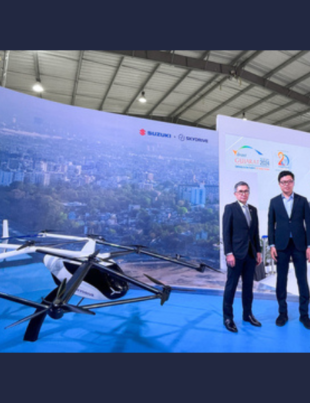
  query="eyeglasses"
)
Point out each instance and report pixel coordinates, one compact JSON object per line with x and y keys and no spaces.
{"x":243,"y":192}
{"x":286,"y":182}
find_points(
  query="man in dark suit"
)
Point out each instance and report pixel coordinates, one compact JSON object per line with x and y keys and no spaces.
{"x":289,"y":236}
{"x":242,"y":251}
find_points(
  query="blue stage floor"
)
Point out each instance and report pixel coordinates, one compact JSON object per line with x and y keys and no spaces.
{"x":188,"y":322}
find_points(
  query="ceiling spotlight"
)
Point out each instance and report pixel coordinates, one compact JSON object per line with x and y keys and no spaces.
{"x":38,"y":87}
{"x":243,"y":116}
{"x":142,"y":99}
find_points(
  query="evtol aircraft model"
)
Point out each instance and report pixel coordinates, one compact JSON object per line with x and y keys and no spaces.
{"x":86,"y":273}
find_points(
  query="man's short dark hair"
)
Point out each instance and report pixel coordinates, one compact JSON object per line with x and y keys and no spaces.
{"x":241,"y":183}
{"x":285,"y":173}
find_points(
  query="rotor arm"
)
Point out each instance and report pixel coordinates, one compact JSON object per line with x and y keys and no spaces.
{"x":127,"y":278}
{"x":120,"y":302}
{"x":139,"y":249}
{"x":201,"y":267}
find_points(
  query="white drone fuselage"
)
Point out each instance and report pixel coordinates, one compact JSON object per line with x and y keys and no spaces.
{"x":57,"y":267}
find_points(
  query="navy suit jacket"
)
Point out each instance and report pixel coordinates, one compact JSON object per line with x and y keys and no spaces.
{"x":237,"y":235}
{"x":280,"y":225}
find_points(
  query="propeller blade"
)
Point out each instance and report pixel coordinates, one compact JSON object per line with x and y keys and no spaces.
{"x":26,"y":244}
{"x":61,"y":289}
{"x":96,"y":237}
{"x":22,"y":301}
{"x":35,"y":324}
{"x":76,"y":309}
{"x":166,"y":289}
{"x":34,"y":315}
{"x":203,"y":266}
{"x":154,"y":280}
{"x":116,"y":254}
{"x":76,"y":280}
{"x":177,"y":256}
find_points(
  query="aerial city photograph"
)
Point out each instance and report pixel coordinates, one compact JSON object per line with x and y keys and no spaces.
{"x":133,"y":181}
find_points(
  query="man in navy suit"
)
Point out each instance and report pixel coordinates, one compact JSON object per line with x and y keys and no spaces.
{"x":242,"y":251}
{"x":289,"y":236}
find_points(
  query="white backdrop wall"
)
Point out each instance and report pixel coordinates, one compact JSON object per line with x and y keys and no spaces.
{"x":256,"y":153}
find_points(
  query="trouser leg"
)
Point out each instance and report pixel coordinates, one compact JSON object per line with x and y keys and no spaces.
{"x":300,"y":264}
{"x":282,"y":271}
{"x":233,"y":275}
{"x":247,"y":285}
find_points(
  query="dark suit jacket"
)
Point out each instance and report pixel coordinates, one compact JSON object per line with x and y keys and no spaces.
{"x":237,"y":235}
{"x":280,"y":225}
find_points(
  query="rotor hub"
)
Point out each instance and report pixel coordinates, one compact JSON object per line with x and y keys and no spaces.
{"x":55,"y":311}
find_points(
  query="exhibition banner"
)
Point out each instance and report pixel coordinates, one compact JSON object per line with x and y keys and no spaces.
{"x":133,"y":181}
{"x":256,"y":153}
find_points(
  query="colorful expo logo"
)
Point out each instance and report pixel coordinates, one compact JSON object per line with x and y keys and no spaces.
{"x":236,"y":152}
{"x":250,"y":158}
{"x":284,"y":160}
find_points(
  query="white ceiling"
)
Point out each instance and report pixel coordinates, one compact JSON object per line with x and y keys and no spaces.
{"x":185,"y":87}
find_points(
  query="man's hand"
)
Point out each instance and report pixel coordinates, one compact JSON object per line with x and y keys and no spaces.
{"x":259,"y":258}
{"x":273,"y":253}
{"x":231,"y":261}
{"x":308,"y":254}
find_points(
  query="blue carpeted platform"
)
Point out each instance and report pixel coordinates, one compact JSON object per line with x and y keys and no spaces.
{"x":188,"y":322}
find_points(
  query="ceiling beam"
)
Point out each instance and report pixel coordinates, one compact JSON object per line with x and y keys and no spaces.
{"x":218,"y":68}
{"x":268,"y":75}
{"x":175,"y":60}
{"x":172,"y":59}
{"x":168,"y":120}
{"x":168,"y":93}
{"x":297,"y":127}
{"x":196,"y":93}
{"x":295,"y":115}
{"x":141,"y":88}
{"x":36,"y":66}
{"x":279,"y":108}
{"x":272,"y":72}
{"x":207,"y":84}
{"x":5,"y":67}
{"x":204,"y":57}
{"x":37,"y":69}
{"x":77,"y":77}
{"x":111,"y":84}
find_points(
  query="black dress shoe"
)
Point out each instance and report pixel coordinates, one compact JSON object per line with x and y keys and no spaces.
{"x":230,"y":325}
{"x":252,"y":320}
{"x":305,"y":321}
{"x":281,"y":320}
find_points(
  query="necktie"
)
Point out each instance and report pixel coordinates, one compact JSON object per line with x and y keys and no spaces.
{"x":247,"y":215}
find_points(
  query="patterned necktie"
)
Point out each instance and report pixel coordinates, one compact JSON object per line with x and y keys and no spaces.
{"x":247,"y":215}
